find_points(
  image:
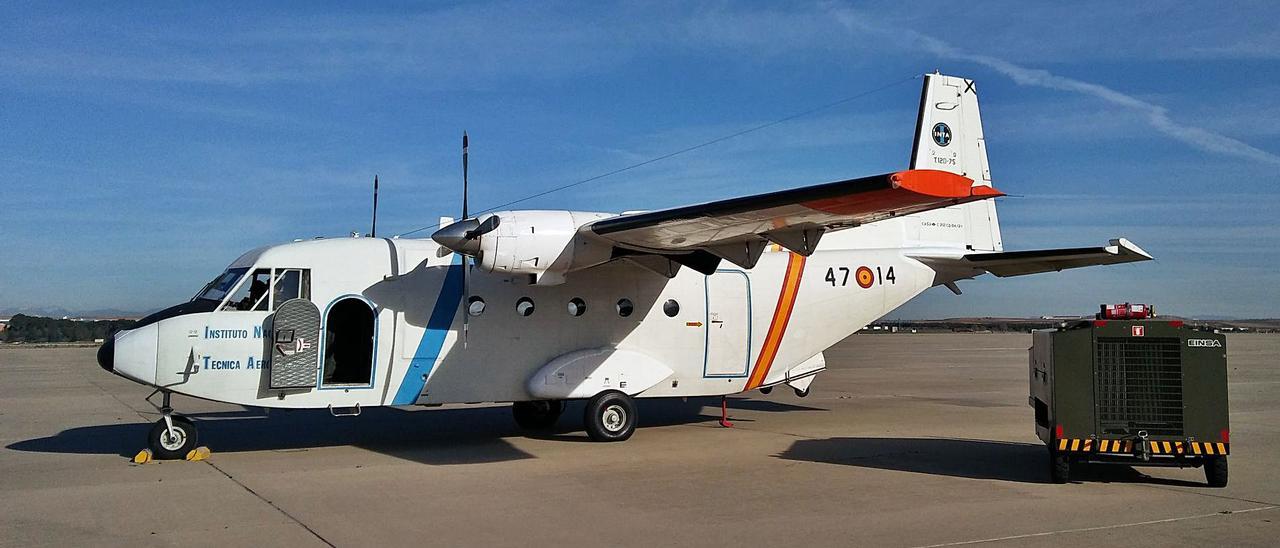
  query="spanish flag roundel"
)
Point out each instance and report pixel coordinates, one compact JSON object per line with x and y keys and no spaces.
{"x":864,"y":277}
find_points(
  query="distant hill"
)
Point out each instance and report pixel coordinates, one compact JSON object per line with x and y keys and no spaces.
{"x":33,"y":329}
{"x":1028,"y":324}
{"x":60,"y":312}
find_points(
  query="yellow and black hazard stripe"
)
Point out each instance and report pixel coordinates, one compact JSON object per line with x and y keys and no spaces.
{"x":1090,"y":445}
{"x":1189,"y":448}
{"x":1115,"y":446}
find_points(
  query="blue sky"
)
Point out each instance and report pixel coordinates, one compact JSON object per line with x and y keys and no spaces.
{"x":146,"y":146}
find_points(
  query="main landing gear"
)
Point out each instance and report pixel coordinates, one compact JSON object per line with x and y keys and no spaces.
{"x":609,"y":416}
{"x":173,"y":436}
{"x":537,"y":415}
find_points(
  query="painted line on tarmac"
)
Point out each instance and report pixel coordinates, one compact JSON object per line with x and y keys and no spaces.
{"x":1100,"y":528}
{"x":272,"y":504}
{"x":1169,"y":489}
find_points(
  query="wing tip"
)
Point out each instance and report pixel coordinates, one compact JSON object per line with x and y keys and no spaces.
{"x":1125,"y":247}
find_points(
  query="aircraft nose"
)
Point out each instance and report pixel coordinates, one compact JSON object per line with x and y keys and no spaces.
{"x":107,"y":354}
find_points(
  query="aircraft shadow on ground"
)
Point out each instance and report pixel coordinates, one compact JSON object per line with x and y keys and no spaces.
{"x":435,"y":436}
{"x":962,"y":458}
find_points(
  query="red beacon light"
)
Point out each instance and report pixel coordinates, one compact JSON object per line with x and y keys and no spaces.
{"x":1126,"y":311}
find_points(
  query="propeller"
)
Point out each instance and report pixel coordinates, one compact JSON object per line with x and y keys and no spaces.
{"x":463,"y":237}
{"x":466,"y":287}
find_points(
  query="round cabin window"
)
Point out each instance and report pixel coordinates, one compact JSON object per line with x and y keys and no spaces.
{"x":671,"y":308}
{"x":625,"y":308}
{"x":524,"y":306}
{"x":475,"y":306}
{"x":577,"y":306}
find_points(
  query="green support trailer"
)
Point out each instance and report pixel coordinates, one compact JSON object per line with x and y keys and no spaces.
{"x":1139,"y":392}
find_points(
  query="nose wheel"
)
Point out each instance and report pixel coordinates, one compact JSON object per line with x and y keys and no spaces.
{"x":173,"y":436}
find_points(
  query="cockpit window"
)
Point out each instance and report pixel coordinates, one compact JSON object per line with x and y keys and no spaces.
{"x":290,"y":283}
{"x":218,"y":288}
{"x":265,"y":289}
{"x":252,"y":294}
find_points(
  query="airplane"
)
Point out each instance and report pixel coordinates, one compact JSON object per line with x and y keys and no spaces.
{"x":540,"y":307}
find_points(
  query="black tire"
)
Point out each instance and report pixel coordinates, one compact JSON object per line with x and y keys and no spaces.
{"x":801,"y":393}
{"x":1215,"y":471}
{"x":1059,"y":467}
{"x":162,"y":448}
{"x":537,"y":415}
{"x":610,"y":416}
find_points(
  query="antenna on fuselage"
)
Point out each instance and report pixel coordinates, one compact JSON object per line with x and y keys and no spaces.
{"x":373,"y":230}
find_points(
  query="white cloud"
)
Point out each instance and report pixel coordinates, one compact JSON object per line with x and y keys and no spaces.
{"x":1155,"y":115}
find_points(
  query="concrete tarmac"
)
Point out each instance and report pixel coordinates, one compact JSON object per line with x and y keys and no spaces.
{"x":907,"y":440}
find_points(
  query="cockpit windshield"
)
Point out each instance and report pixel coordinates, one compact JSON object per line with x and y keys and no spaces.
{"x":218,"y":288}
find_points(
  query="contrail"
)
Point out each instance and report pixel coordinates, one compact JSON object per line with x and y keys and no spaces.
{"x":1156,"y":115}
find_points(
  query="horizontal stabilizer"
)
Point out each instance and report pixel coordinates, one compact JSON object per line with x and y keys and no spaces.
{"x":1018,"y":263}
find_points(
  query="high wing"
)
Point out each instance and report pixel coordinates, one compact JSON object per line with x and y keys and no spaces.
{"x":738,"y":229}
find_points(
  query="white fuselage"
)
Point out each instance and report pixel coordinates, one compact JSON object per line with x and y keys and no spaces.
{"x":734,"y":330}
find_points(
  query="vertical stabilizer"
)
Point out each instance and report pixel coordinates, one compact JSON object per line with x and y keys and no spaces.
{"x":949,"y":138}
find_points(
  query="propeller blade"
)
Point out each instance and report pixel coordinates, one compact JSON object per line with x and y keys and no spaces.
{"x":468,"y":241}
{"x":464,"y":175}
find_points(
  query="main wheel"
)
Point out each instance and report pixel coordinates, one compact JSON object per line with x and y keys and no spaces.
{"x":537,"y":415}
{"x":610,"y":416}
{"x":1215,"y":470}
{"x":1059,"y":466}
{"x":166,"y":446}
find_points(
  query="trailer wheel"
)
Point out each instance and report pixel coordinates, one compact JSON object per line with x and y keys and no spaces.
{"x":1215,"y":470}
{"x":610,"y":416}
{"x":1059,"y":467}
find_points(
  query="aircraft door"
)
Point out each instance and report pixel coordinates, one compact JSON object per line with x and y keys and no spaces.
{"x":295,"y":345}
{"x":728,"y":324}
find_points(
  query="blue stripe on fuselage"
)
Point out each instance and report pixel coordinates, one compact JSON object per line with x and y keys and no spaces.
{"x":438,"y":326}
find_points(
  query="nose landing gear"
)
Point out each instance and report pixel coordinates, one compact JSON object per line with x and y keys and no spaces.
{"x":173,"y":436}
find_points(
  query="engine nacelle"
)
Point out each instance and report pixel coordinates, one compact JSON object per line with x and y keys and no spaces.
{"x":542,"y":244}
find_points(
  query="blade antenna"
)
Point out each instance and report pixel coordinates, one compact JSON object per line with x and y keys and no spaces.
{"x":466,"y":288}
{"x":373,"y":231}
